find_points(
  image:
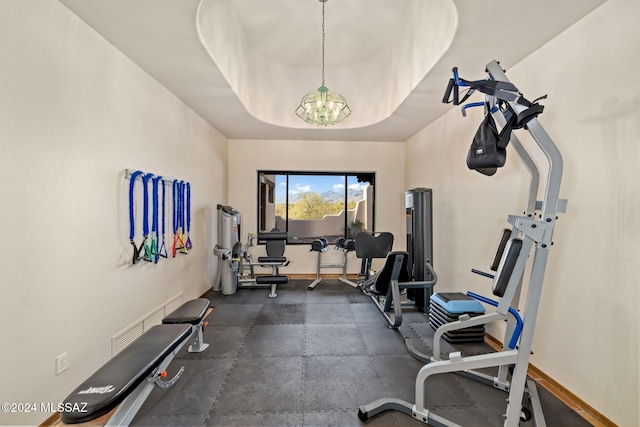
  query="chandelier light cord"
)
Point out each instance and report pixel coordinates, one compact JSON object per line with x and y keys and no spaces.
{"x":323,"y":3}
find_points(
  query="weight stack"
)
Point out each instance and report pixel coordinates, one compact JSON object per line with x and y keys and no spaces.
{"x":448,"y":307}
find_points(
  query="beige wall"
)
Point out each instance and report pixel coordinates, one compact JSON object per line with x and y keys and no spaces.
{"x":588,"y":328}
{"x":74,"y":114}
{"x":246,"y":157}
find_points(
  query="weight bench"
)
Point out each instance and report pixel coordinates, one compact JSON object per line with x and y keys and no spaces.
{"x":191,"y":312}
{"x":130,"y":376}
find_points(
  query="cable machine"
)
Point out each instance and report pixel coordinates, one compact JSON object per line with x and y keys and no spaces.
{"x":418,"y":204}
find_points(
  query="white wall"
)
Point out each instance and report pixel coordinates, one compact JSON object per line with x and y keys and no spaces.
{"x":588,"y":328}
{"x":74,"y":113}
{"x":246,"y":157}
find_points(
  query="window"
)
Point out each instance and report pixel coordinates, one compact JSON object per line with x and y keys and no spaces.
{"x":309,"y":205}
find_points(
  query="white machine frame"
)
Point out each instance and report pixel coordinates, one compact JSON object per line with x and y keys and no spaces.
{"x":536,"y":232}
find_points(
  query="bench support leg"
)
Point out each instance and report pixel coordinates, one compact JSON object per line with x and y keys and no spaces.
{"x":132,"y":404}
{"x":197,"y":343}
{"x":273,"y":291}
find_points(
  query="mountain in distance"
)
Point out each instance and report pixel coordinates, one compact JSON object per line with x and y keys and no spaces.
{"x":330,"y":196}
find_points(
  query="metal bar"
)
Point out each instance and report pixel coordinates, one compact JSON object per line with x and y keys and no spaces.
{"x":534,"y":172}
{"x":546,"y":144}
{"x":165,"y":179}
{"x":459,"y":364}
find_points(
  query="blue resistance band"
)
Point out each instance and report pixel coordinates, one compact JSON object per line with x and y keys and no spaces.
{"x":181,"y":226}
{"x":180,"y":212}
{"x":174,"y":211}
{"x":148,"y":250}
{"x":162,"y":250}
{"x":516,"y":331}
{"x":188,"y":244}
{"x":132,"y":219}
{"x":155,"y":232}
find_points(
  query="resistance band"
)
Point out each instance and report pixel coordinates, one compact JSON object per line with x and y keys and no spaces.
{"x":178,"y":218}
{"x":162,"y":250}
{"x":188,"y":244}
{"x":155,"y":232}
{"x":132,"y":218}
{"x":148,"y":250}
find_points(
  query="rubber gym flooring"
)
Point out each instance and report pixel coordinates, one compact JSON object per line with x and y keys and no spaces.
{"x":311,"y":358}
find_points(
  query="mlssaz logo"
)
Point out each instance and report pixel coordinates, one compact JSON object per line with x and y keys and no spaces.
{"x":98,"y":390}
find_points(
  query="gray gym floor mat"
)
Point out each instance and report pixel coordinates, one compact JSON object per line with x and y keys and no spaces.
{"x":381,"y":340}
{"x":282,"y":314}
{"x":365,"y":313}
{"x":275,"y":340}
{"x":327,"y":295}
{"x":311,"y":358}
{"x":329,"y":314}
{"x":263,"y":384}
{"x":398,"y":383}
{"x":338,"y":383}
{"x":334,"y":340}
{"x":234,"y":314}
{"x":170,"y":420}
{"x":256,"y":420}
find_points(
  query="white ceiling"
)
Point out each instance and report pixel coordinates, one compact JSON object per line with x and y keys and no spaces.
{"x":244,"y":65}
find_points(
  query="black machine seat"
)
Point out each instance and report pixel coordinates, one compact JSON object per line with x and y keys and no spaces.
{"x":117,"y":378}
{"x":276,"y":241}
{"x":379,"y":284}
{"x":190,"y":312}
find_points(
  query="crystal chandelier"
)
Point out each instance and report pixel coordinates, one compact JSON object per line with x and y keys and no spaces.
{"x":321,"y":107}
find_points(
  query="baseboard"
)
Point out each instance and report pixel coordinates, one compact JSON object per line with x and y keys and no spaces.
{"x":53,"y":420}
{"x":558,"y":390}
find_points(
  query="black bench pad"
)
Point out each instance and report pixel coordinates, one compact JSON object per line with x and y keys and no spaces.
{"x":272,"y":259}
{"x":190,"y":312}
{"x":117,"y":378}
{"x":271,"y":280}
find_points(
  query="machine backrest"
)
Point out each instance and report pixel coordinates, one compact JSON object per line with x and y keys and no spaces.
{"x":497,"y":256}
{"x":507,"y":264}
{"x":369,"y":245}
{"x":276,"y":241}
{"x":383,"y":278}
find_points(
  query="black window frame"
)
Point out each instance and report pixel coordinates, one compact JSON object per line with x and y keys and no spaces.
{"x":362,"y":176}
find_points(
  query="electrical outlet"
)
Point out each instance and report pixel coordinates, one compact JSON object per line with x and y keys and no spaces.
{"x":61,"y":363}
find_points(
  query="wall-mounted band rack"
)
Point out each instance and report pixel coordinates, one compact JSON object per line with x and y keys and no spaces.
{"x":153,"y":245}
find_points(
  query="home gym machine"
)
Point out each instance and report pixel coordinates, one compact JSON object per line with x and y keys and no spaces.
{"x":411,"y":285}
{"x":532,"y":231}
{"x":236,"y":268}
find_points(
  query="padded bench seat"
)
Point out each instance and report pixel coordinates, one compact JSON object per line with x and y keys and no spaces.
{"x":117,"y":379}
{"x":191,"y":312}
